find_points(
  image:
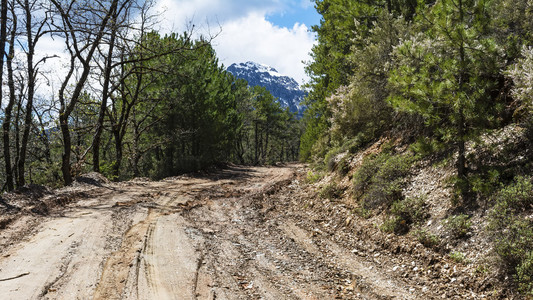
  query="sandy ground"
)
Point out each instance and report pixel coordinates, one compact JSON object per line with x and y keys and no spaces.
{"x":227,"y":235}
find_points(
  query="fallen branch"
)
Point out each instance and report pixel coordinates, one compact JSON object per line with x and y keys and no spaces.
{"x":15,"y":277}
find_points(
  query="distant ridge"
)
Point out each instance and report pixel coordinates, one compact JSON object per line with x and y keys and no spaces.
{"x":285,"y":88}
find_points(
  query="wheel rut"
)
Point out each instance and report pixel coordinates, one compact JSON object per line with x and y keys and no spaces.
{"x":221,"y":236}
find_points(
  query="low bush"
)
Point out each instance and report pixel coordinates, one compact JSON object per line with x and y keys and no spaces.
{"x":330,"y":191}
{"x":426,"y":238}
{"x":524,"y":273}
{"x":512,"y":234}
{"x":458,"y":257}
{"x":313,"y":177}
{"x":458,"y":226}
{"x":404,"y":213}
{"x":343,"y":167}
{"x":380,"y":179}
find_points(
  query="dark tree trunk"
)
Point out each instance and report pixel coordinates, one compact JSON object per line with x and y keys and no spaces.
{"x":105,"y":95}
{"x":118,"y":149}
{"x":31,"y":91}
{"x":67,"y":108}
{"x":65,"y":158}
{"x":6,"y":125}
{"x":462,"y":171}
{"x":3,"y":40}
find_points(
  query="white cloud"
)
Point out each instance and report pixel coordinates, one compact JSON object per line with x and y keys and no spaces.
{"x":253,"y":38}
{"x":177,"y":13}
{"x":246,"y":34}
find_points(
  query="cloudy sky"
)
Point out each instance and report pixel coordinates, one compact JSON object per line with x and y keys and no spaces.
{"x":272,"y":32}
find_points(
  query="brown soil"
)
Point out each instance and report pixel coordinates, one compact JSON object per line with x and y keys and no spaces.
{"x":238,"y":233}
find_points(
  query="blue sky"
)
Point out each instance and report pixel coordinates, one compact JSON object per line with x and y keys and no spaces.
{"x":272,"y":32}
{"x":303,"y":12}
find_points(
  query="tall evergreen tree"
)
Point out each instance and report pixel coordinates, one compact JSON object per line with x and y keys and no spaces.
{"x":446,"y":73}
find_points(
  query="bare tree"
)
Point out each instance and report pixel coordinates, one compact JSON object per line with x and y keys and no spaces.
{"x":34,"y":31}
{"x":82,"y":25}
{"x":118,"y":37}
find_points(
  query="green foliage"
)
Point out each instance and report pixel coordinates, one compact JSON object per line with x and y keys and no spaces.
{"x":511,"y":233}
{"x":393,"y":224}
{"x":330,"y":191}
{"x":362,"y":211}
{"x":313,"y":177}
{"x":513,"y":198}
{"x":458,"y":225}
{"x":193,"y":114}
{"x":445,"y":74}
{"x":485,"y":184}
{"x":343,"y":167}
{"x":458,"y":257}
{"x":107,"y":170}
{"x":522,"y":75}
{"x":404,"y":213}
{"x":524,"y":273}
{"x":380,"y":179}
{"x":426,"y":238}
{"x":352,"y":53}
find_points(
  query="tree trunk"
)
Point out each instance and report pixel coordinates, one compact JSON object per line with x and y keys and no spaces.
{"x":462,"y":172}
{"x":9,"y":109}
{"x":118,"y":149}
{"x":256,"y":158}
{"x":65,"y":159}
{"x":67,"y":108}
{"x":31,"y":91}
{"x":105,"y":95}
{"x":3,"y":39}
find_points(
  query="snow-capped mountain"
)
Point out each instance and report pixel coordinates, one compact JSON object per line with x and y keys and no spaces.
{"x":285,"y":88}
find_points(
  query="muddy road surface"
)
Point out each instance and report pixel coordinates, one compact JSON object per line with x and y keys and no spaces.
{"x":226,"y":235}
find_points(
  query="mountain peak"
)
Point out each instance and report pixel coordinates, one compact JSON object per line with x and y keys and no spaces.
{"x":283,"y":87}
{"x":250,"y":65}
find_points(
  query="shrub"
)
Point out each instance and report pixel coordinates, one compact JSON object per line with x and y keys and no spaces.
{"x":426,"y":238}
{"x":513,"y":244}
{"x":404,"y":213}
{"x":517,"y":196}
{"x":512,"y":235}
{"x":525,"y":275}
{"x":330,"y":158}
{"x":330,"y":191}
{"x":458,"y":226}
{"x":394,"y":224}
{"x":358,"y":142}
{"x":343,"y":167}
{"x":313,"y":177}
{"x":380,"y":179}
{"x":458,"y":257}
{"x":362,"y":212}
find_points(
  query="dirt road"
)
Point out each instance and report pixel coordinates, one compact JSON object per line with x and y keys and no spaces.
{"x":222,"y":236}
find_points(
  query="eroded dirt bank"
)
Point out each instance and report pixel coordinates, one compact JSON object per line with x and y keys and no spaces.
{"x":241,"y":233}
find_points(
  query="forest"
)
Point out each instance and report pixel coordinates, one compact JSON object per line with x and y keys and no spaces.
{"x":448,"y":83}
{"x":122,"y":99}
